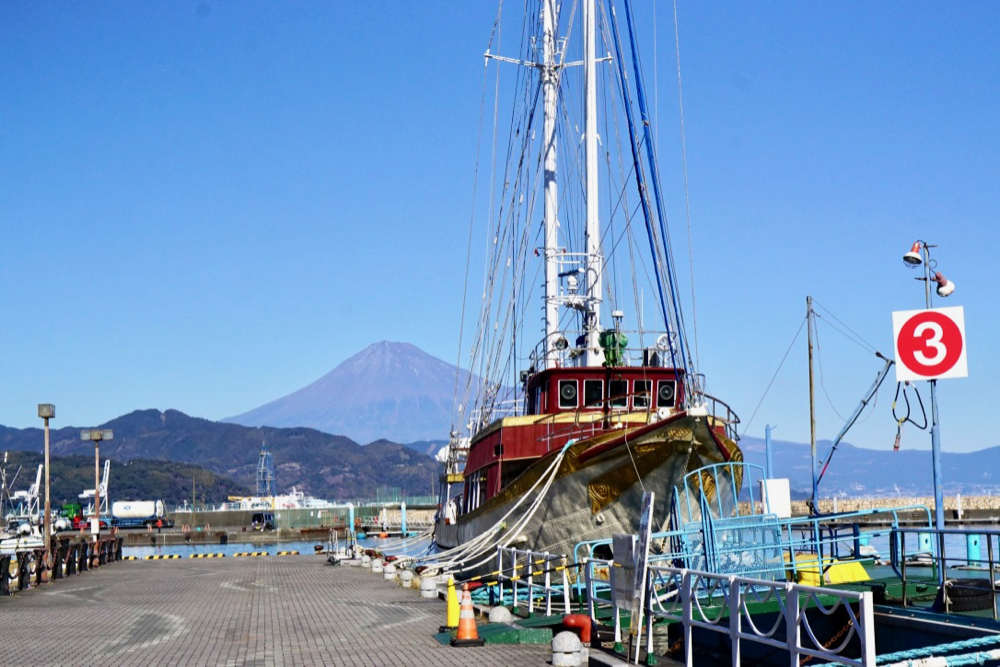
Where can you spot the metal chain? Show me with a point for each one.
(833, 640)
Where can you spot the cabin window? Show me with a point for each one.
(666, 395)
(618, 393)
(567, 394)
(498, 450)
(536, 400)
(642, 391)
(593, 393)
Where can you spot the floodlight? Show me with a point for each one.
(912, 259)
(945, 286)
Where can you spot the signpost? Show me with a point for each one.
(930, 344)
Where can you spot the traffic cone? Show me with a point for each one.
(467, 635)
(453, 610)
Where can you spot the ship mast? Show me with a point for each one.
(550, 79)
(594, 356)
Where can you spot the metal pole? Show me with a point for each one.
(812, 409)
(935, 425)
(48, 507)
(769, 458)
(97, 486)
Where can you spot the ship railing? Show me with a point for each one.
(723, 414)
(814, 544)
(919, 555)
(760, 546)
(724, 604)
(534, 575)
(645, 348)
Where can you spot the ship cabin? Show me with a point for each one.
(562, 404)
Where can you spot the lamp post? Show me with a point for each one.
(96, 435)
(920, 254)
(47, 411)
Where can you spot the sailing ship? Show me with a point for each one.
(605, 408)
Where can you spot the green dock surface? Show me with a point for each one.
(232, 612)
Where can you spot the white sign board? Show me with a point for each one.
(95, 526)
(930, 344)
(641, 561)
(623, 570)
(777, 497)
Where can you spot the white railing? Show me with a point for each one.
(532, 572)
(719, 603)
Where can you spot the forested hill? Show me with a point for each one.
(317, 463)
(138, 479)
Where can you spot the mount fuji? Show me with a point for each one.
(392, 391)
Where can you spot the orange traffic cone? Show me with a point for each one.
(467, 635)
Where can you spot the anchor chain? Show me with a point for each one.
(833, 640)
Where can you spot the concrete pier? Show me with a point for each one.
(295, 610)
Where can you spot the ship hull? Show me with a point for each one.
(598, 488)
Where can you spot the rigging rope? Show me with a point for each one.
(750, 421)
(687, 194)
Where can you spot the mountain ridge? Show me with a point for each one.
(388, 390)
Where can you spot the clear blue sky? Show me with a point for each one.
(206, 206)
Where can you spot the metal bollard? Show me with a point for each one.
(24, 571)
(58, 560)
(83, 552)
(4, 574)
(38, 567)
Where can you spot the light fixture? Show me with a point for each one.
(46, 410)
(912, 259)
(945, 286)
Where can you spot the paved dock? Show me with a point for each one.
(291, 610)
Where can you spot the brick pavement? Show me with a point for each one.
(293, 610)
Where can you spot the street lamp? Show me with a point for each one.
(96, 435)
(47, 411)
(920, 255)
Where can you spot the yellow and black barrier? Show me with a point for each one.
(163, 557)
(130, 558)
(288, 553)
(207, 556)
(250, 554)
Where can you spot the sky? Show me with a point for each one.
(208, 205)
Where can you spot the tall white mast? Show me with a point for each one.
(550, 91)
(595, 260)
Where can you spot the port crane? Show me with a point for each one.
(88, 494)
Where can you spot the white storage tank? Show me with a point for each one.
(138, 509)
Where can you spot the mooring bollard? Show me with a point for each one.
(406, 578)
(24, 571)
(4, 574)
(566, 650)
(428, 587)
(83, 562)
(377, 566)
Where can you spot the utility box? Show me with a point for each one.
(776, 497)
